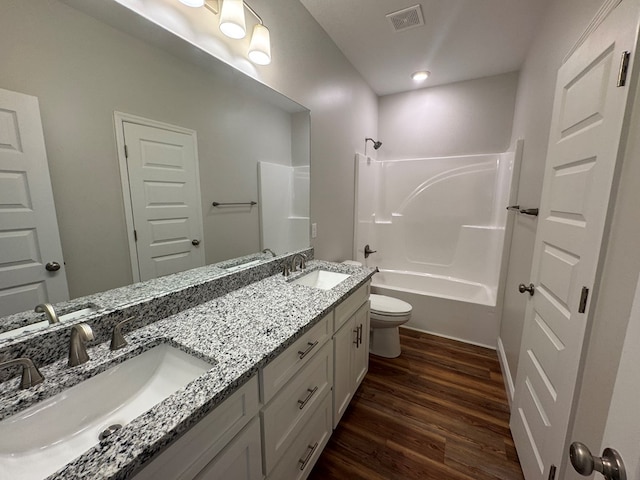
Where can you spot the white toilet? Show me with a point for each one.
(387, 314)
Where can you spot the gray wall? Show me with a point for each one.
(309, 68)
(456, 119)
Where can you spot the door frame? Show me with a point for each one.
(119, 119)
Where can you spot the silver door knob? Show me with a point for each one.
(195, 242)
(524, 288)
(610, 464)
(52, 267)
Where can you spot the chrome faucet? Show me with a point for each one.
(270, 251)
(30, 374)
(47, 309)
(303, 262)
(80, 335)
(117, 339)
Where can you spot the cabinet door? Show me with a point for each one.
(360, 362)
(240, 460)
(343, 344)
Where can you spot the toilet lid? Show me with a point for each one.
(388, 305)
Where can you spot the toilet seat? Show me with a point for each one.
(384, 306)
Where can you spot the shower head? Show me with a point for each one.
(376, 145)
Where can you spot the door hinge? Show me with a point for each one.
(552, 472)
(583, 300)
(624, 67)
(126, 152)
(135, 235)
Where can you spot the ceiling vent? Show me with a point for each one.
(406, 18)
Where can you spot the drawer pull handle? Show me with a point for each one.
(360, 334)
(302, 403)
(356, 341)
(302, 354)
(303, 461)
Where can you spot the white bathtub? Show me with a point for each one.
(436, 286)
(445, 306)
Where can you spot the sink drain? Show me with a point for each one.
(110, 430)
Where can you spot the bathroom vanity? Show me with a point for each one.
(285, 360)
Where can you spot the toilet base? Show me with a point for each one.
(385, 342)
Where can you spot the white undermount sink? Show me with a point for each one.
(40, 440)
(322, 279)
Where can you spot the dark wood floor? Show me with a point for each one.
(439, 411)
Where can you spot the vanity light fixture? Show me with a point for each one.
(232, 24)
(420, 76)
(232, 19)
(260, 46)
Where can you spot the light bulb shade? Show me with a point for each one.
(193, 3)
(232, 19)
(260, 46)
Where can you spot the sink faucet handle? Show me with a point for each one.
(286, 270)
(47, 309)
(30, 374)
(80, 335)
(117, 339)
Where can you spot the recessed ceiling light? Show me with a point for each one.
(420, 76)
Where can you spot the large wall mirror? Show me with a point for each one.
(250, 139)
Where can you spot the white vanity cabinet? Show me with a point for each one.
(277, 424)
(351, 349)
(226, 444)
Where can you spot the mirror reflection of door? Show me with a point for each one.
(29, 237)
(163, 190)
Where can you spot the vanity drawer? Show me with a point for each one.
(275, 375)
(349, 306)
(306, 447)
(190, 453)
(285, 416)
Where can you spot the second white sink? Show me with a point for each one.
(37, 441)
(322, 279)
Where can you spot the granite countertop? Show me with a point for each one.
(240, 331)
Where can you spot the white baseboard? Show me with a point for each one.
(449, 337)
(506, 373)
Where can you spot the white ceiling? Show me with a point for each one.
(460, 40)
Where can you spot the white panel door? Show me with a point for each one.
(584, 146)
(29, 237)
(165, 199)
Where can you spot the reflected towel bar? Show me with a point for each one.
(525, 211)
(219, 204)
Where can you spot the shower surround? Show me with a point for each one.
(438, 228)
